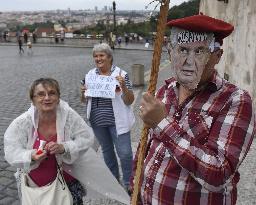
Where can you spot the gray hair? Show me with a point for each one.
(45, 82)
(174, 37)
(103, 47)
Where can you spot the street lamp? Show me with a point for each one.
(114, 13)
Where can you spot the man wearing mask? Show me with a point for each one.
(201, 126)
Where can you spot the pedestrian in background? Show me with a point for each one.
(202, 126)
(34, 37)
(21, 50)
(29, 48)
(112, 119)
(119, 41)
(25, 37)
(5, 36)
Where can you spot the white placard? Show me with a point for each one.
(100, 86)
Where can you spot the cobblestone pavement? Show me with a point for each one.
(68, 66)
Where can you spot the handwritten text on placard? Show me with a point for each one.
(100, 86)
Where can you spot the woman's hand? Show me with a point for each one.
(82, 90)
(121, 81)
(38, 157)
(54, 148)
(128, 96)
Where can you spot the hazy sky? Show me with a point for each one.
(30, 5)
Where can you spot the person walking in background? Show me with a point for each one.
(112, 119)
(5, 36)
(202, 126)
(25, 37)
(29, 48)
(119, 41)
(126, 38)
(21, 50)
(62, 36)
(34, 37)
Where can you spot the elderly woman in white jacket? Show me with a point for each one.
(68, 141)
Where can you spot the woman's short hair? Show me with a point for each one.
(103, 47)
(45, 82)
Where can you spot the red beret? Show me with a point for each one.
(203, 23)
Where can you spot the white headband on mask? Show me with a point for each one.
(180, 36)
(189, 37)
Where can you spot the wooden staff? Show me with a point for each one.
(151, 89)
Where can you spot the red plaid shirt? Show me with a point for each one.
(194, 157)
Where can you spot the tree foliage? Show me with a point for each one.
(185, 9)
(144, 29)
(32, 27)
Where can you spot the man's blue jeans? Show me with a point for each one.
(108, 139)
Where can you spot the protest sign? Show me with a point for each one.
(100, 86)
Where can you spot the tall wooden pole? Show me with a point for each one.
(151, 89)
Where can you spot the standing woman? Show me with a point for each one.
(112, 119)
(52, 120)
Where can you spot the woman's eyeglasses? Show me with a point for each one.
(42, 95)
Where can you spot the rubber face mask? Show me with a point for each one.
(188, 61)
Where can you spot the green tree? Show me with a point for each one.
(185, 9)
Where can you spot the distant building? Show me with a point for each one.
(3, 26)
(44, 32)
(122, 21)
(57, 27)
(69, 12)
(96, 8)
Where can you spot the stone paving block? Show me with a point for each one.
(2, 187)
(12, 169)
(16, 202)
(2, 159)
(13, 185)
(4, 164)
(7, 174)
(7, 200)
(11, 192)
(5, 181)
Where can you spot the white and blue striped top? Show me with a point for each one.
(102, 114)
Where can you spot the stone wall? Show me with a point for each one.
(239, 58)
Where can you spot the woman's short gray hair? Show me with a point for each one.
(103, 47)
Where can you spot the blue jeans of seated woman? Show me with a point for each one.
(108, 139)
